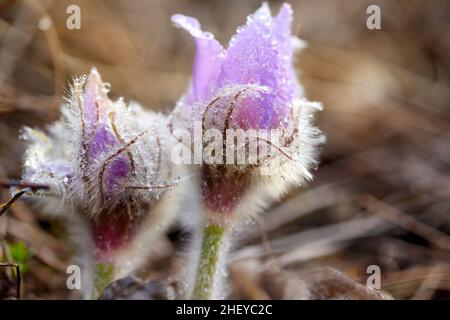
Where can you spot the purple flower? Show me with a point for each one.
(106, 166)
(250, 85)
(114, 148)
(99, 137)
(247, 90)
(259, 54)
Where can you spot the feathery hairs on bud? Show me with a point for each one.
(251, 85)
(109, 175)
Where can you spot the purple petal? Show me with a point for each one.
(208, 58)
(95, 100)
(250, 54)
(118, 170)
(261, 53)
(103, 141)
(289, 87)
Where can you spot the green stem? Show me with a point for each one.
(208, 269)
(104, 273)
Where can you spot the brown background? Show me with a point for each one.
(381, 194)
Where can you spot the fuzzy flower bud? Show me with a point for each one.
(251, 86)
(107, 162)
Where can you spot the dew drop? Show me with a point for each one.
(45, 23)
(208, 35)
(106, 87)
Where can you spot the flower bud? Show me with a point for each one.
(249, 87)
(107, 162)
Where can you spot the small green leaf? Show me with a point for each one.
(20, 254)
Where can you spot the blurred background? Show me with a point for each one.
(381, 195)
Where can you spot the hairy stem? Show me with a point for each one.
(104, 273)
(208, 276)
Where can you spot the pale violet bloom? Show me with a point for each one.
(106, 167)
(252, 84)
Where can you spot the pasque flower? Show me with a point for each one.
(105, 163)
(251, 85)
